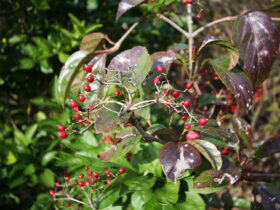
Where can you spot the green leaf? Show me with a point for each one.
(46, 66)
(92, 41)
(43, 202)
(209, 151)
(168, 193)
(144, 113)
(164, 133)
(193, 201)
(136, 182)
(108, 198)
(241, 203)
(30, 131)
(92, 4)
(21, 138)
(90, 139)
(26, 63)
(269, 147)
(69, 71)
(63, 57)
(47, 178)
(206, 98)
(132, 66)
(138, 199)
(48, 157)
(233, 52)
(29, 170)
(117, 151)
(10, 158)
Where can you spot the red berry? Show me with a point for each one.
(90, 173)
(224, 152)
(106, 171)
(81, 176)
(82, 98)
(166, 92)
(96, 174)
(89, 177)
(57, 184)
(52, 192)
(191, 135)
(202, 121)
(87, 68)
(216, 78)
(81, 183)
(159, 69)
(80, 121)
(152, 1)
(175, 94)
(86, 182)
(186, 2)
(189, 85)
(95, 178)
(108, 175)
(186, 103)
(73, 104)
(62, 134)
(68, 204)
(184, 118)
(76, 116)
(60, 128)
(116, 92)
(108, 182)
(187, 126)
(87, 88)
(90, 78)
(90, 107)
(76, 182)
(122, 170)
(86, 167)
(76, 109)
(156, 80)
(67, 178)
(198, 15)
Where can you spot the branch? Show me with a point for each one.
(190, 29)
(174, 25)
(89, 200)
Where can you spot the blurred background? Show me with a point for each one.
(37, 36)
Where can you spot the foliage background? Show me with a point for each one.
(37, 37)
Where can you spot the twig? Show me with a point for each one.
(190, 29)
(89, 200)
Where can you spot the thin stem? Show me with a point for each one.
(174, 25)
(71, 199)
(89, 200)
(190, 29)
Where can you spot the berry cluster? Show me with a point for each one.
(88, 183)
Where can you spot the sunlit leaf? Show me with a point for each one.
(126, 5)
(256, 36)
(168, 193)
(176, 158)
(92, 41)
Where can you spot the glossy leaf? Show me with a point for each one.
(133, 64)
(175, 159)
(235, 80)
(139, 198)
(209, 151)
(162, 132)
(233, 52)
(144, 113)
(107, 120)
(69, 72)
(256, 36)
(92, 41)
(270, 196)
(126, 5)
(168, 194)
(269, 147)
(136, 182)
(193, 201)
(117, 151)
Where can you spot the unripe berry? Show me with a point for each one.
(87, 68)
(73, 104)
(60, 128)
(67, 178)
(87, 88)
(57, 184)
(122, 170)
(166, 92)
(187, 126)
(82, 98)
(52, 192)
(81, 176)
(202, 121)
(76, 116)
(189, 85)
(198, 15)
(184, 118)
(175, 94)
(106, 171)
(62, 134)
(90, 78)
(81, 183)
(186, 103)
(159, 69)
(116, 92)
(156, 80)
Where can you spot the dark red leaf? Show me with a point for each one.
(269, 147)
(176, 158)
(126, 5)
(256, 36)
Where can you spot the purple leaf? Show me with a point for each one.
(126, 5)
(256, 36)
(269, 147)
(92, 41)
(270, 196)
(176, 158)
